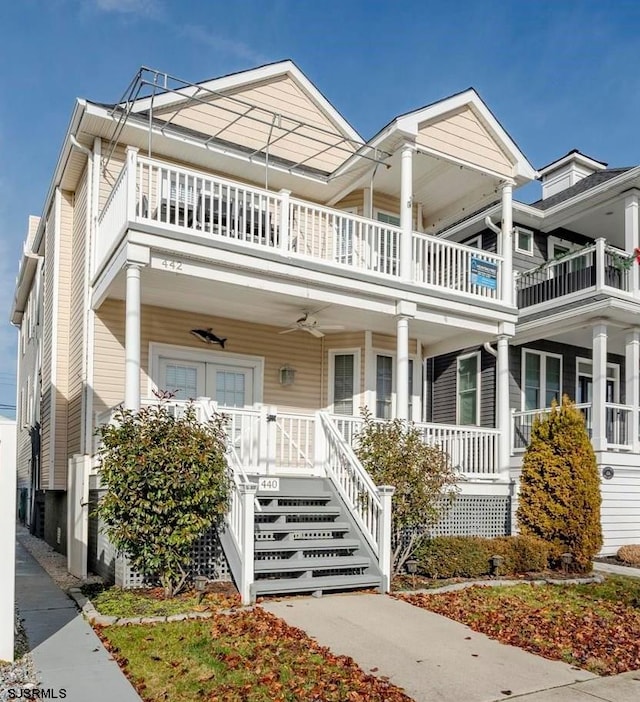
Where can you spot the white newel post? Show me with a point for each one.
(507, 243)
(632, 384)
(320, 453)
(406, 211)
(503, 412)
(402, 367)
(247, 498)
(599, 391)
(132, 172)
(384, 543)
(132, 338)
(285, 205)
(632, 238)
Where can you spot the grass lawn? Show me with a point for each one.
(248, 655)
(149, 602)
(596, 626)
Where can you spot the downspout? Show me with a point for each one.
(489, 349)
(86, 427)
(496, 230)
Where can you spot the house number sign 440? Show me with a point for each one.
(269, 484)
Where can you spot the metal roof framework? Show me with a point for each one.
(149, 84)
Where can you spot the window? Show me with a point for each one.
(469, 389)
(388, 218)
(524, 241)
(475, 242)
(343, 383)
(541, 379)
(384, 386)
(584, 381)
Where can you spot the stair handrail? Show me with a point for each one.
(354, 484)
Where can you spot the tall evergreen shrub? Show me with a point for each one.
(560, 487)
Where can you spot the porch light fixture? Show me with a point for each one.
(496, 561)
(287, 375)
(200, 584)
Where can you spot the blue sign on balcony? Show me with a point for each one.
(484, 273)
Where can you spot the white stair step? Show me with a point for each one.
(325, 582)
(295, 564)
(316, 544)
(296, 527)
(299, 509)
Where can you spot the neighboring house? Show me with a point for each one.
(245, 211)
(578, 331)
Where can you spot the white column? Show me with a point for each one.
(503, 412)
(132, 179)
(384, 536)
(402, 367)
(632, 384)
(599, 391)
(406, 211)
(507, 244)
(8, 492)
(132, 338)
(632, 236)
(285, 206)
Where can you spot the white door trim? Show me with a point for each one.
(220, 358)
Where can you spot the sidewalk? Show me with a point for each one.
(67, 654)
(435, 659)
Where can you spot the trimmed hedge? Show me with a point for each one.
(630, 554)
(469, 556)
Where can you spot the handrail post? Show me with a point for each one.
(285, 207)
(320, 448)
(131, 165)
(600, 263)
(247, 499)
(385, 493)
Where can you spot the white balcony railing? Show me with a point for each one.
(214, 208)
(618, 425)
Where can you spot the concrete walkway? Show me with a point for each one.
(616, 569)
(435, 659)
(66, 652)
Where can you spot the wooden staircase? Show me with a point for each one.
(307, 541)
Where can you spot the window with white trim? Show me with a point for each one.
(524, 241)
(343, 382)
(541, 379)
(475, 242)
(468, 388)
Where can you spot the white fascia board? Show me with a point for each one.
(254, 75)
(28, 269)
(573, 156)
(65, 151)
(409, 123)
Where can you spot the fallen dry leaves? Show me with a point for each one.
(553, 621)
(246, 655)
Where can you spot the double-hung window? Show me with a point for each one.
(541, 379)
(386, 387)
(468, 382)
(344, 381)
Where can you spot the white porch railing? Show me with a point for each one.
(214, 208)
(618, 425)
(473, 451)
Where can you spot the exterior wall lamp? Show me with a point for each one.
(287, 375)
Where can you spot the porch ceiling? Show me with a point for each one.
(222, 299)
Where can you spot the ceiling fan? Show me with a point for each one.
(311, 325)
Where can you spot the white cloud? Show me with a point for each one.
(224, 45)
(147, 8)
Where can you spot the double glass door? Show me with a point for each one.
(228, 385)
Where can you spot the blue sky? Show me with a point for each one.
(558, 75)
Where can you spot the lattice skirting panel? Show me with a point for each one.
(207, 559)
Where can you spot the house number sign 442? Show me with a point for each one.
(171, 265)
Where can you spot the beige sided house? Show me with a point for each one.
(247, 209)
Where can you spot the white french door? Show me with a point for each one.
(227, 384)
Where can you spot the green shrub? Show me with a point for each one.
(167, 483)
(559, 497)
(394, 453)
(469, 556)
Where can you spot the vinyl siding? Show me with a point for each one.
(463, 136)
(283, 96)
(76, 317)
(63, 341)
(110, 173)
(442, 372)
(619, 512)
(47, 348)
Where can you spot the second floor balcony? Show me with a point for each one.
(184, 201)
(596, 270)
